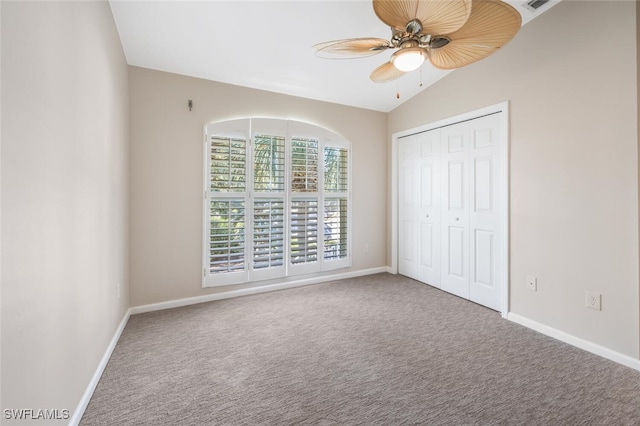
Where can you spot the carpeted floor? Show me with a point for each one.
(375, 350)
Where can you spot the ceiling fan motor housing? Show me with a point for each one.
(413, 37)
(414, 27)
(438, 41)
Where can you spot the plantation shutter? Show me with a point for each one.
(335, 228)
(277, 201)
(228, 164)
(336, 207)
(227, 244)
(304, 220)
(226, 197)
(335, 170)
(268, 163)
(304, 165)
(269, 187)
(268, 234)
(304, 231)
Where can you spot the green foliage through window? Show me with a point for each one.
(268, 163)
(228, 164)
(304, 165)
(226, 242)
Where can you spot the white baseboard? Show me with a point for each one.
(88, 393)
(253, 290)
(576, 341)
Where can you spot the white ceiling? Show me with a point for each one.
(267, 44)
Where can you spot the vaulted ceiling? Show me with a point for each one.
(266, 44)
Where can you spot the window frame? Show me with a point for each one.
(247, 129)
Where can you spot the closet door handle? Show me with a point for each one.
(457, 219)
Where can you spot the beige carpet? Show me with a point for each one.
(376, 350)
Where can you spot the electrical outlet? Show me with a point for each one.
(118, 291)
(594, 301)
(365, 248)
(532, 283)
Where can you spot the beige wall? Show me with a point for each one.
(64, 198)
(573, 159)
(167, 173)
(638, 111)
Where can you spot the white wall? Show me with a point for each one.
(64, 176)
(574, 163)
(167, 169)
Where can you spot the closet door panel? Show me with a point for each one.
(455, 209)
(484, 218)
(429, 210)
(408, 207)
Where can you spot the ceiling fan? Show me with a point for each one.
(449, 33)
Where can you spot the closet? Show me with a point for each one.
(450, 230)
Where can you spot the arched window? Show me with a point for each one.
(277, 200)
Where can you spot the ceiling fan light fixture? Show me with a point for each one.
(408, 59)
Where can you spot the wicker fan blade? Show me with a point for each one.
(441, 17)
(491, 25)
(437, 16)
(386, 72)
(353, 47)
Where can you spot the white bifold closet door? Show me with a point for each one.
(485, 219)
(449, 190)
(419, 227)
(408, 208)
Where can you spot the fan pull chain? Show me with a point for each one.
(398, 89)
(421, 75)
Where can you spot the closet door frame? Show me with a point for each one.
(503, 109)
